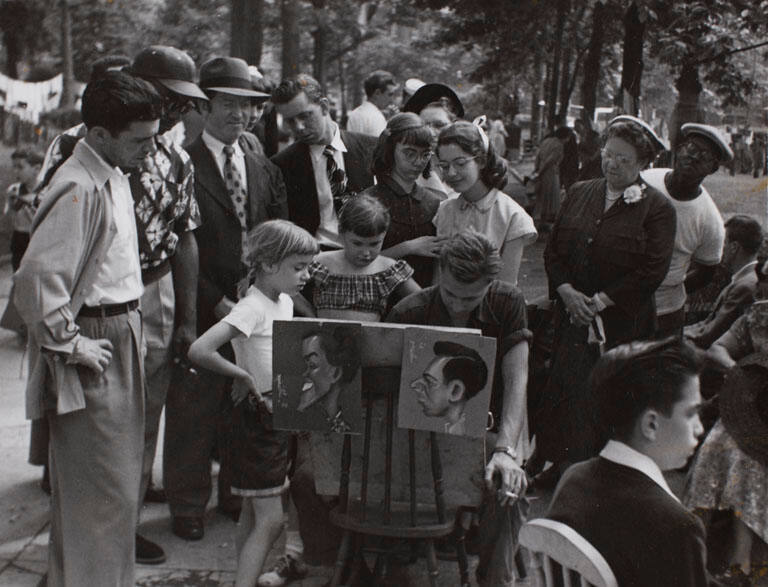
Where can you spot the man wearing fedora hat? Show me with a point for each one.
(325, 165)
(236, 189)
(166, 214)
(700, 231)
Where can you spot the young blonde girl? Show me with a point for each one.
(356, 282)
(279, 257)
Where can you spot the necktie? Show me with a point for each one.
(236, 191)
(336, 178)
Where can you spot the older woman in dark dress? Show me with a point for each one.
(609, 250)
(402, 155)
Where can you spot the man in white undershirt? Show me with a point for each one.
(77, 290)
(369, 118)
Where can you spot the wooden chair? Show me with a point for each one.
(392, 521)
(560, 545)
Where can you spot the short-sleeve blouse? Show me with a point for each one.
(495, 215)
(360, 293)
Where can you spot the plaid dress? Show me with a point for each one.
(361, 293)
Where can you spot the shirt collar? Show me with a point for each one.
(744, 271)
(336, 141)
(100, 170)
(216, 146)
(622, 454)
(482, 314)
(483, 204)
(397, 189)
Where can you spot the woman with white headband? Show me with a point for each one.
(470, 166)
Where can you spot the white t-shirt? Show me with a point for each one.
(700, 236)
(366, 119)
(253, 316)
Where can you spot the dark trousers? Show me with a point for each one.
(198, 423)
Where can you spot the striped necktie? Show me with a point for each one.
(336, 178)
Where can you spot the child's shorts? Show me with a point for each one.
(259, 453)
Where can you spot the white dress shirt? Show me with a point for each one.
(216, 147)
(328, 231)
(622, 454)
(367, 119)
(119, 277)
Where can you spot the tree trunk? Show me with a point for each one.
(592, 63)
(687, 107)
(247, 30)
(565, 74)
(562, 10)
(632, 66)
(289, 16)
(68, 83)
(536, 93)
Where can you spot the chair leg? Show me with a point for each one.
(432, 562)
(341, 559)
(461, 557)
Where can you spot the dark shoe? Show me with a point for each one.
(229, 511)
(147, 552)
(188, 527)
(155, 495)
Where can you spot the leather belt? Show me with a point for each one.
(108, 309)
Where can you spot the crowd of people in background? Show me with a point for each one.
(155, 243)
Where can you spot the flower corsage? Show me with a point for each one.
(634, 193)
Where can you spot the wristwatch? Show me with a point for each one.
(507, 450)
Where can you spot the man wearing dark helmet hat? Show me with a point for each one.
(700, 231)
(166, 215)
(236, 187)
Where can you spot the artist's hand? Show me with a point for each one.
(512, 477)
(579, 306)
(95, 354)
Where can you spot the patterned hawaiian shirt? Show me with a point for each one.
(163, 195)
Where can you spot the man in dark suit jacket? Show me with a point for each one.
(620, 501)
(198, 415)
(306, 111)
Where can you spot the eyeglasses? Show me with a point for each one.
(458, 164)
(695, 151)
(415, 156)
(620, 159)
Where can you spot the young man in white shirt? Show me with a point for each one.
(368, 118)
(620, 501)
(700, 231)
(78, 290)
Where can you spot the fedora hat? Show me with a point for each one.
(429, 93)
(744, 405)
(229, 75)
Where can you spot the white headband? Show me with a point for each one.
(480, 120)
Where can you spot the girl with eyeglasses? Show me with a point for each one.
(401, 157)
(470, 166)
(609, 250)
